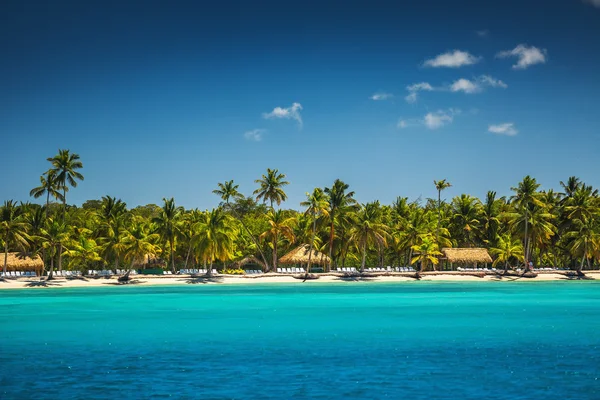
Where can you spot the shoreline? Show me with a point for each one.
(167, 280)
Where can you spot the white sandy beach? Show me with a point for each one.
(155, 280)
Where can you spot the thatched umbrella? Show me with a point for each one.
(300, 256)
(23, 262)
(248, 260)
(465, 256)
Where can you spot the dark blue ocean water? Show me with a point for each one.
(413, 340)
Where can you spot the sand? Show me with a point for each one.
(155, 280)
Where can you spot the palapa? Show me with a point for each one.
(300, 256)
(248, 260)
(467, 255)
(22, 262)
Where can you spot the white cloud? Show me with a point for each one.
(415, 88)
(595, 3)
(527, 56)
(492, 82)
(381, 96)
(476, 85)
(438, 119)
(254, 135)
(454, 59)
(292, 112)
(465, 85)
(483, 33)
(402, 123)
(507, 129)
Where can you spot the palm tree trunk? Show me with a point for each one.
(50, 273)
(331, 233)
(172, 255)
(364, 257)
(437, 232)
(60, 249)
(187, 258)
(274, 253)
(5, 256)
(310, 247)
(526, 241)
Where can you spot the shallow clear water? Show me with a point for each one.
(360, 340)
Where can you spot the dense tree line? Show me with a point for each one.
(549, 228)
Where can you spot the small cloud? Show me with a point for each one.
(465, 85)
(483, 33)
(476, 85)
(453, 59)
(254, 135)
(292, 112)
(507, 129)
(381, 96)
(595, 3)
(415, 88)
(402, 124)
(527, 56)
(440, 118)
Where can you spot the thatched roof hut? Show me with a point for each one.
(248, 260)
(300, 256)
(467, 255)
(22, 262)
(150, 260)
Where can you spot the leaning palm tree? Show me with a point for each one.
(507, 248)
(339, 201)
(49, 187)
(227, 191)
(316, 206)
(12, 227)
(440, 185)
(368, 230)
(271, 187)
(427, 251)
(279, 227)
(215, 238)
(64, 170)
(584, 241)
(167, 223)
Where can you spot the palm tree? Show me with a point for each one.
(83, 251)
(64, 172)
(54, 235)
(490, 218)
(215, 238)
(427, 251)
(279, 226)
(49, 187)
(440, 185)
(316, 206)
(271, 186)
(228, 190)
(465, 221)
(12, 228)
(339, 201)
(507, 248)
(368, 230)
(138, 243)
(525, 197)
(585, 241)
(113, 216)
(167, 223)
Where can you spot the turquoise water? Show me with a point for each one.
(360, 340)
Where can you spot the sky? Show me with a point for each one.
(166, 99)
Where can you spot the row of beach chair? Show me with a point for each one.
(294, 270)
(18, 274)
(66, 273)
(253, 271)
(185, 271)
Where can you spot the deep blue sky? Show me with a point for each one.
(156, 97)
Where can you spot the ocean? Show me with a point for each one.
(360, 340)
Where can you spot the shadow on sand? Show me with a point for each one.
(125, 282)
(42, 283)
(196, 279)
(574, 276)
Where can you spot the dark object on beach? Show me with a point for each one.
(305, 277)
(125, 278)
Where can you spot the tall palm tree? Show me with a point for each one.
(427, 251)
(490, 218)
(317, 205)
(83, 251)
(271, 187)
(12, 228)
(227, 191)
(167, 223)
(440, 185)
(507, 248)
(112, 216)
(525, 197)
(585, 241)
(368, 230)
(339, 201)
(279, 226)
(49, 187)
(215, 238)
(465, 220)
(64, 170)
